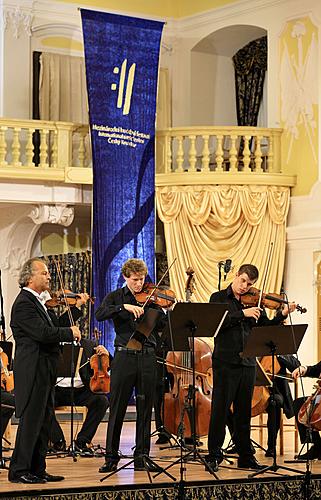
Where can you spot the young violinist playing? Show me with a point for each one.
(128, 370)
(233, 375)
(314, 453)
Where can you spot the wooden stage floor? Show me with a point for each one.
(83, 474)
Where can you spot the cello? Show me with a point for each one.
(179, 366)
(310, 412)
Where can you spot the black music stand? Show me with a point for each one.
(186, 321)
(5, 347)
(270, 341)
(68, 367)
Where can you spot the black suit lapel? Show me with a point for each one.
(40, 308)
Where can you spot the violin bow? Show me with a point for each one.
(61, 281)
(265, 273)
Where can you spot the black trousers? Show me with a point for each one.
(96, 404)
(31, 444)
(232, 384)
(131, 370)
(274, 420)
(306, 436)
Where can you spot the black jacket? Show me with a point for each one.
(36, 335)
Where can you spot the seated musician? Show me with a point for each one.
(283, 400)
(95, 403)
(307, 436)
(7, 410)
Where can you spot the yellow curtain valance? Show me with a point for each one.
(206, 224)
(225, 203)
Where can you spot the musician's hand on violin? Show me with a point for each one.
(101, 349)
(289, 308)
(137, 311)
(76, 333)
(82, 298)
(252, 312)
(300, 371)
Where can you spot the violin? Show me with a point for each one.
(100, 364)
(64, 297)
(268, 300)
(152, 294)
(7, 383)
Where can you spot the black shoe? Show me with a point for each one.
(249, 463)
(269, 453)
(314, 453)
(211, 466)
(213, 461)
(231, 450)
(190, 441)
(147, 465)
(27, 478)
(59, 445)
(50, 478)
(83, 450)
(110, 465)
(162, 439)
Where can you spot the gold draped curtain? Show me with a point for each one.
(207, 224)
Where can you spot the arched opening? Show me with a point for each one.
(212, 76)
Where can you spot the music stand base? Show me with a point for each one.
(196, 456)
(275, 468)
(146, 461)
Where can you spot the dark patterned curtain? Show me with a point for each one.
(76, 273)
(250, 64)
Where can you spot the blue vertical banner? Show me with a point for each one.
(122, 60)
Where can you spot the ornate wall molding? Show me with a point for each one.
(18, 20)
(52, 214)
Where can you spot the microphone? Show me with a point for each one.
(227, 267)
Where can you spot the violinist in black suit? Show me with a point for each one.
(96, 404)
(37, 333)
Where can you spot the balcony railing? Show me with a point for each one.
(36, 149)
(60, 151)
(219, 149)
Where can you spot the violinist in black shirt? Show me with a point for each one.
(233, 375)
(130, 368)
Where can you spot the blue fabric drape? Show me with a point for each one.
(122, 57)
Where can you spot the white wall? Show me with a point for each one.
(212, 90)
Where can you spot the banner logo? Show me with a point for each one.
(124, 94)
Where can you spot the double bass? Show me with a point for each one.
(178, 401)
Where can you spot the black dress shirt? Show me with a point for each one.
(231, 338)
(124, 321)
